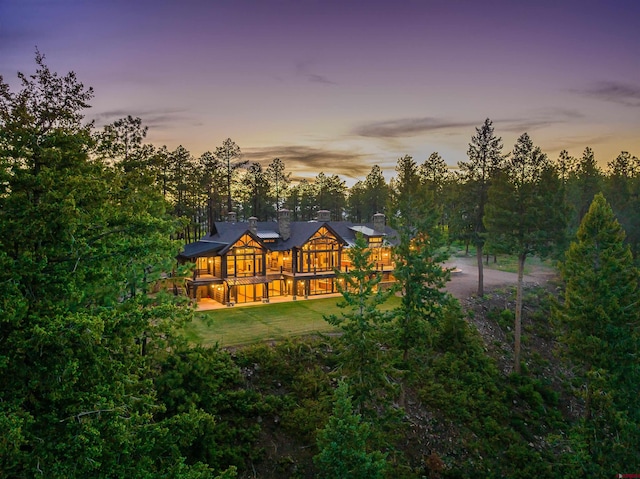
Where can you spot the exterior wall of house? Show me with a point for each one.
(246, 257)
(249, 271)
(320, 253)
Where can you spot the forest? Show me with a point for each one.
(98, 380)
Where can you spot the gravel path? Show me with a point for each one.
(464, 278)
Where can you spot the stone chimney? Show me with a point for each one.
(253, 225)
(231, 217)
(284, 224)
(324, 215)
(378, 222)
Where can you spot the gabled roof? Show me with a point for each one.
(201, 248)
(348, 231)
(226, 234)
(301, 232)
(230, 233)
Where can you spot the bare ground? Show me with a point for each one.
(464, 277)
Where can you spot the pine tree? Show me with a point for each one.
(362, 358)
(255, 196)
(600, 315)
(407, 195)
(356, 204)
(376, 194)
(279, 181)
(421, 278)
(80, 246)
(524, 213)
(211, 177)
(599, 325)
(583, 182)
(229, 156)
(343, 444)
(622, 187)
(485, 157)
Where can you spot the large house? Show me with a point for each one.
(244, 262)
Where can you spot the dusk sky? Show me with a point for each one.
(338, 86)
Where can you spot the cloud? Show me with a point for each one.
(391, 130)
(150, 118)
(539, 119)
(522, 125)
(615, 92)
(408, 127)
(563, 112)
(315, 78)
(303, 70)
(308, 160)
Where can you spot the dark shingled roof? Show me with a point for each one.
(346, 230)
(201, 248)
(226, 234)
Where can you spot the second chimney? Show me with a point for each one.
(253, 225)
(324, 215)
(284, 224)
(378, 222)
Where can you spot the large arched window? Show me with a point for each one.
(320, 253)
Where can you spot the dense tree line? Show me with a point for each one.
(83, 240)
(102, 384)
(205, 189)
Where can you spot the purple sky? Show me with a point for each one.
(338, 86)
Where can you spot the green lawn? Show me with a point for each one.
(250, 324)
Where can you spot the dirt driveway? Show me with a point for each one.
(464, 278)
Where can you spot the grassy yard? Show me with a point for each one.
(250, 324)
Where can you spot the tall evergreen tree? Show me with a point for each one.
(331, 194)
(185, 192)
(229, 156)
(257, 199)
(485, 158)
(356, 203)
(211, 176)
(600, 311)
(434, 179)
(362, 357)
(434, 173)
(302, 201)
(407, 196)
(376, 194)
(123, 142)
(279, 181)
(599, 325)
(584, 182)
(622, 186)
(524, 213)
(80, 247)
(421, 281)
(343, 444)
(307, 200)
(566, 165)
(292, 201)
(459, 212)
